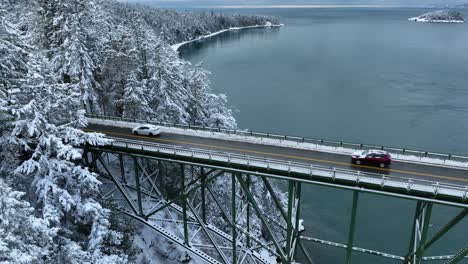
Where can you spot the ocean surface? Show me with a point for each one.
(364, 75)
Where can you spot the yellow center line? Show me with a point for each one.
(278, 155)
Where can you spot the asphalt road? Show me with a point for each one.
(397, 169)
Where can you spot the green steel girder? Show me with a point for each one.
(338, 183)
(137, 181)
(122, 190)
(275, 198)
(354, 249)
(306, 254)
(287, 254)
(260, 216)
(208, 234)
(84, 160)
(446, 228)
(289, 228)
(411, 248)
(148, 178)
(122, 169)
(184, 204)
(233, 215)
(224, 214)
(419, 232)
(184, 195)
(426, 221)
(94, 156)
(459, 256)
(247, 182)
(162, 232)
(297, 217)
(203, 194)
(352, 226)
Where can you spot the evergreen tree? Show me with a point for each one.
(24, 238)
(168, 96)
(65, 24)
(134, 100)
(41, 122)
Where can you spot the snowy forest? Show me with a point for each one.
(61, 59)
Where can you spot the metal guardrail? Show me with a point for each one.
(434, 189)
(315, 141)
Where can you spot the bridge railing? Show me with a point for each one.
(315, 141)
(434, 189)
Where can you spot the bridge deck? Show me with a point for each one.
(397, 169)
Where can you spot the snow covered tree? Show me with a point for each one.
(56, 56)
(120, 60)
(203, 106)
(41, 122)
(134, 102)
(64, 25)
(168, 96)
(198, 84)
(24, 238)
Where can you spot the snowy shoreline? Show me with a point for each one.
(177, 46)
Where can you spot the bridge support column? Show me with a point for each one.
(138, 188)
(297, 218)
(352, 226)
(248, 211)
(422, 219)
(122, 169)
(275, 198)
(233, 215)
(293, 220)
(258, 212)
(203, 194)
(289, 227)
(184, 204)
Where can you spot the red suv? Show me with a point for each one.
(372, 157)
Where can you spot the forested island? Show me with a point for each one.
(61, 59)
(441, 16)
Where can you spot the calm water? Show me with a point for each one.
(363, 75)
(360, 75)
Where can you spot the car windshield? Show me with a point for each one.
(365, 152)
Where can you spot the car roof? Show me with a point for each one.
(148, 125)
(373, 151)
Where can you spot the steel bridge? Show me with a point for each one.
(225, 206)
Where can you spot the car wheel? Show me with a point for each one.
(136, 133)
(358, 162)
(382, 165)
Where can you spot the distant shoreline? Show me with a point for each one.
(177, 46)
(305, 6)
(424, 20)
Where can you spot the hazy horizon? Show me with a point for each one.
(296, 3)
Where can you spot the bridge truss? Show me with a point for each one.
(248, 220)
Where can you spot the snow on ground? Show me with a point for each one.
(286, 143)
(267, 25)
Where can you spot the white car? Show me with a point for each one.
(147, 130)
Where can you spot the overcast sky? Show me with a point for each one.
(297, 2)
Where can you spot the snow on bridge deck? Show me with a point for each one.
(262, 154)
